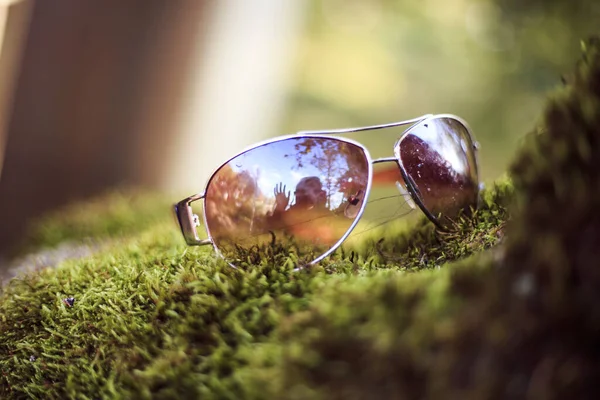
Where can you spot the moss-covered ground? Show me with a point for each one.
(501, 308)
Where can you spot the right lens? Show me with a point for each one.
(299, 194)
(439, 161)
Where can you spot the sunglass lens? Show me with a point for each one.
(438, 157)
(297, 195)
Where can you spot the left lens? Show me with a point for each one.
(438, 158)
(298, 195)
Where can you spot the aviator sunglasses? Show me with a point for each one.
(305, 193)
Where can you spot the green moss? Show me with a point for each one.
(113, 215)
(423, 247)
(419, 314)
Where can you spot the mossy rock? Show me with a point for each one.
(503, 308)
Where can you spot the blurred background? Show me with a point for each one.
(98, 95)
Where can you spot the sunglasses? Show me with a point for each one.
(303, 194)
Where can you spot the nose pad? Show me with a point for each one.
(406, 195)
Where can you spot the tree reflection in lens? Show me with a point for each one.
(251, 211)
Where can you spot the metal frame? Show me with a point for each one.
(188, 221)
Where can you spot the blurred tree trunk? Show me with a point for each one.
(95, 101)
(14, 23)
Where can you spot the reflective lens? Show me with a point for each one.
(297, 195)
(439, 161)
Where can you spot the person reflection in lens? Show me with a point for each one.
(305, 218)
(309, 194)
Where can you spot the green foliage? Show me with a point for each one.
(423, 315)
(491, 62)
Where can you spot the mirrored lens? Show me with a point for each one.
(298, 195)
(438, 158)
